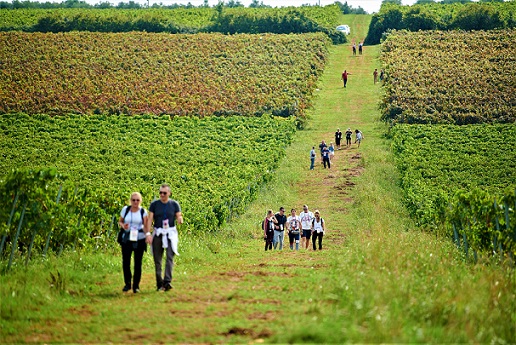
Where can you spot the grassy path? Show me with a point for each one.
(377, 279)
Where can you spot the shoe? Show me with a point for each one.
(161, 288)
(136, 290)
(126, 288)
(167, 287)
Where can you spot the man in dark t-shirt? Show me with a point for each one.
(326, 157)
(279, 228)
(164, 213)
(322, 145)
(338, 138)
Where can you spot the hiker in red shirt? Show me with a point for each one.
(345, 77)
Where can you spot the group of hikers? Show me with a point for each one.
(376, 74)
(299, 229)
(157, 227)
(328, 152)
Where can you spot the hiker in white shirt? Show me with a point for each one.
(294, 227)
(306, 225)
(318, 228)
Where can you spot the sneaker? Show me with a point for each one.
(161, 288)
(167, 287)
(126, 288)
(136, 290)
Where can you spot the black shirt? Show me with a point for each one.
(159, 208)
(322, 146)
(282, 220)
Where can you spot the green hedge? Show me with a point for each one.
(471, 16)
(220, 19)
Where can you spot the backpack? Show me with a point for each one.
(123, 236)
(313, 222)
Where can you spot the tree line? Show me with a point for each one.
(427, 15)
(17, 4)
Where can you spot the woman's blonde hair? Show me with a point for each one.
(137, 194)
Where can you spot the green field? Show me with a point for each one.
(459, 176)
(437, 161)
(379, 279)
(215, 166)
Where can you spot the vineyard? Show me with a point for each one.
(441, 16)
(143, 73)
(458, 165)
(430, 83)
(453, 174)
(214, 165)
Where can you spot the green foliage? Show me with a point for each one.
(220, 19)
(438, 164)
(479, 17)
(57, 282)
(487, 222)
(431, 16)
(428, 81)
(274, 21)
(144, 73)
(214, 165)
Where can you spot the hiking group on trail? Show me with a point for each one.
(135, 233)
(328, 152)
(299, 229)
(344, 76)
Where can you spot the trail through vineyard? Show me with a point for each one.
(258, 288)
(243, 293)
(378, 278)
(240, 293)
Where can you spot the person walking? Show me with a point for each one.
(338, 138)
(164, 213)
(382, 75)
(312, 158)
(318, 228)
(375, 76)
(332, 151)
(345, 77)
(354, 49)
(348, 137)
(132, 239)
(279, 228)
(306, 226)
(294, 227)
(322, 145)
(358, 137)
(326, 157)
(268, 229)
(360, 47)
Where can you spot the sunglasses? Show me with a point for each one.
(135, 200)
(162, 193)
